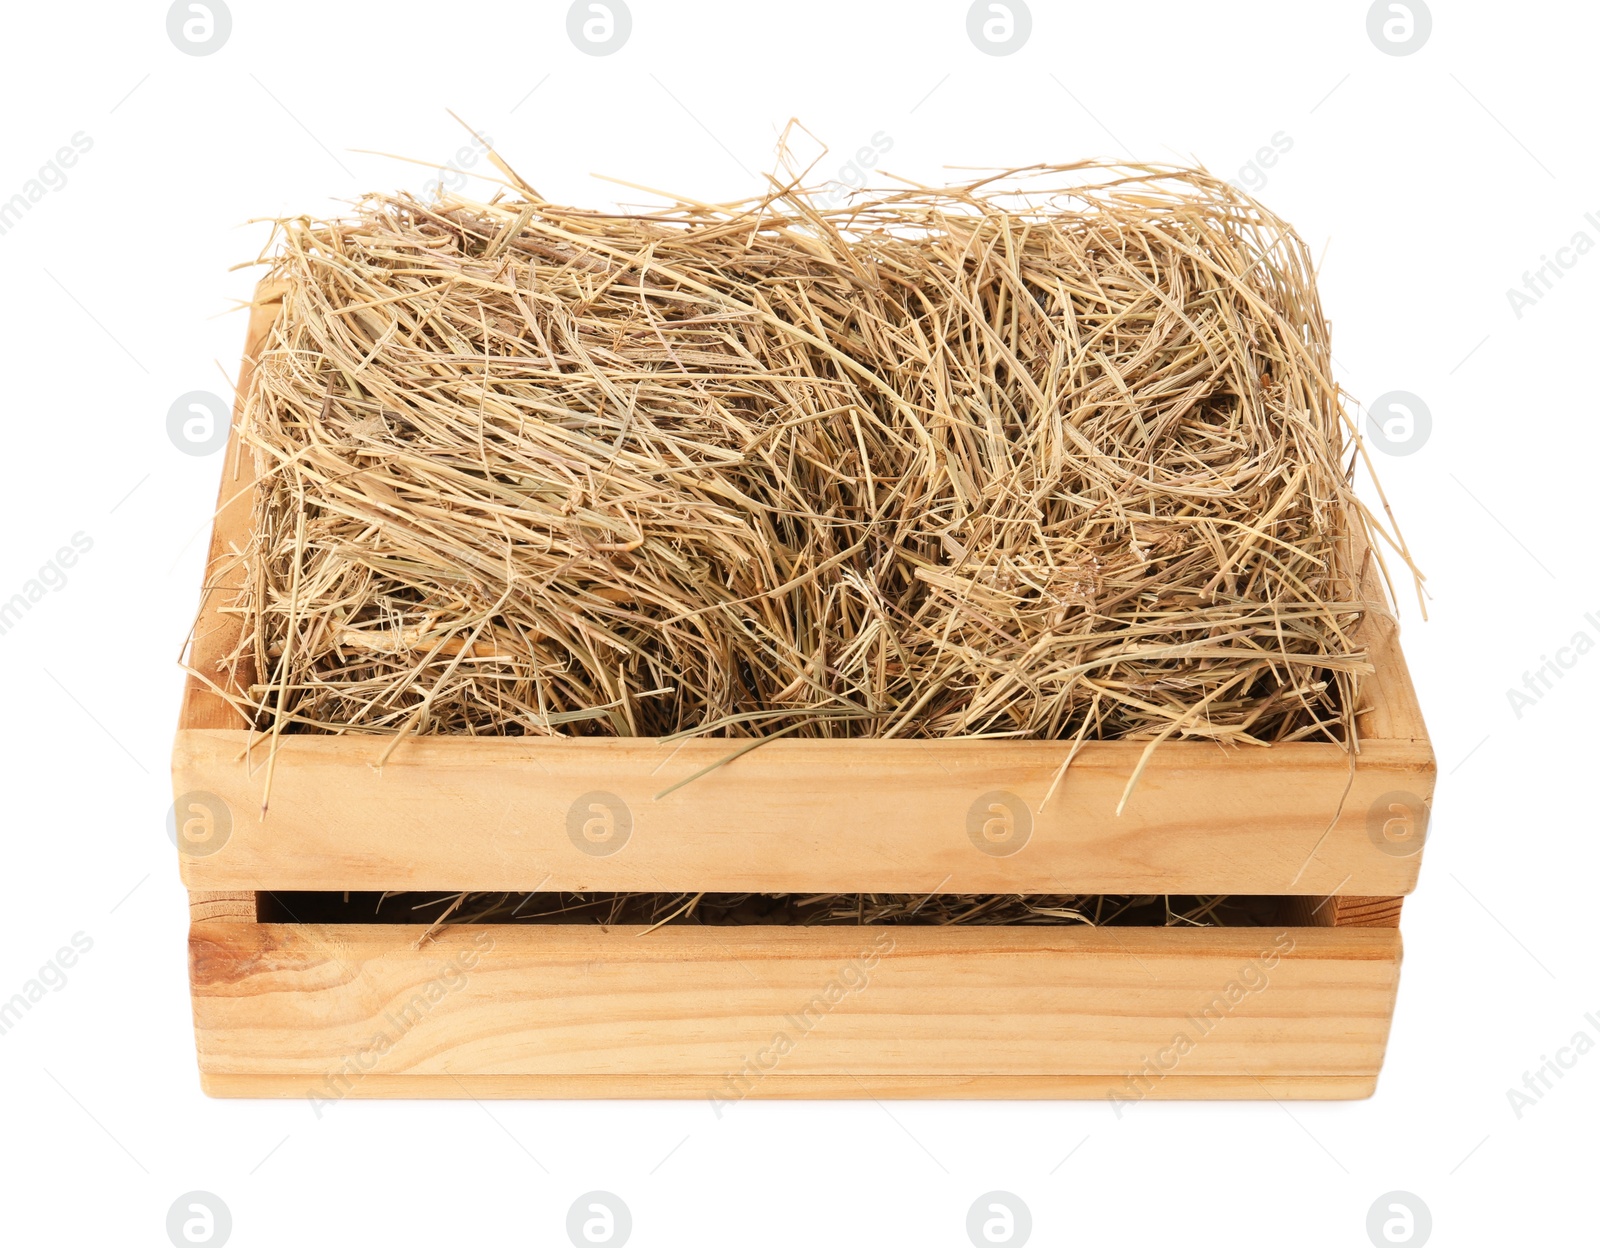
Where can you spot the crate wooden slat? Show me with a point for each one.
(565, 1010)
(303, 1009)
(878, 816)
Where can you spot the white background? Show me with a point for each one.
(1430, 183)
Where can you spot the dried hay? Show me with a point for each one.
(1061, 461)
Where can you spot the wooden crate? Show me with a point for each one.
(1296, 1009)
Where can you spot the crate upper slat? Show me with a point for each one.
(873, 816)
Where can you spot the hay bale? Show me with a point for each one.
(1060, 462)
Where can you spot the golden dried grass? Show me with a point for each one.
(1062, 460)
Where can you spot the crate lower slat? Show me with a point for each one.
(324, 1012)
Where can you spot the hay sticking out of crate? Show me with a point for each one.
(1061, 461)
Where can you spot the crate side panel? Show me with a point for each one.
(216, 631)
(880, 816)
(332, 1005)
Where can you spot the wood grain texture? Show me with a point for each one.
(1339, 911)
(878, 816)
(1367, 911)
(234, 906)
(216, 631)
(694, 1011)
(1388, 708)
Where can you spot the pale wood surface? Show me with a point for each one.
(879, 816)
(1388, 709)
(676, 1012)
(216, 631)
(1343, 911)
(1367, 911)
(234, 905)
